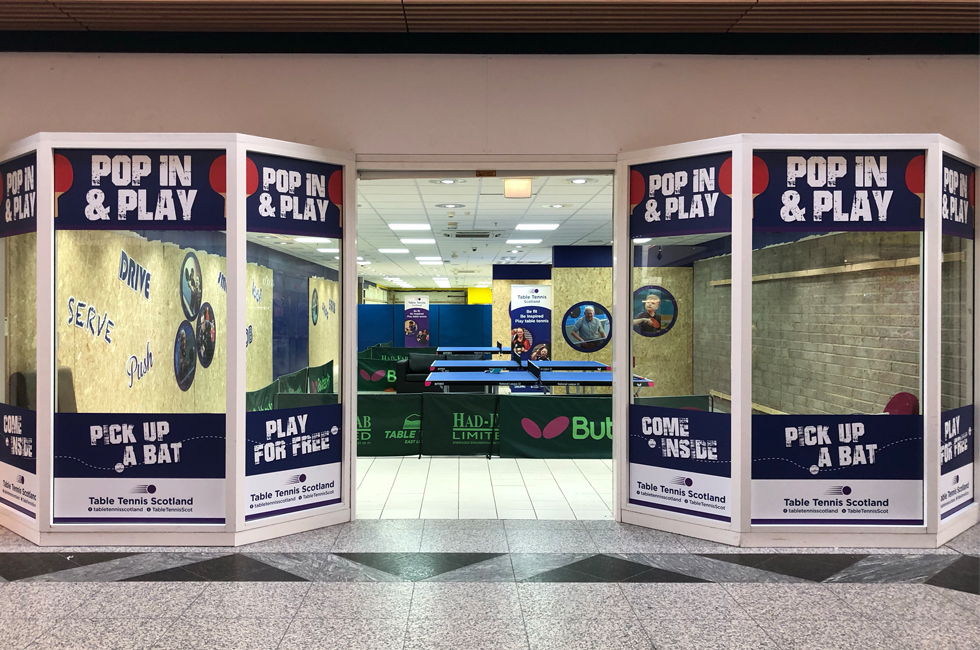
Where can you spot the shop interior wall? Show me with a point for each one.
(445, 104)
(448, 325)
(573, 285)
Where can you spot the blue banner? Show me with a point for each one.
(838, 190)
(530, 321)
(681, 197)
(292, 196)
(959, 202)
(139, 189)
(18, 195)
(837, 469)
(956, 449)
(681, 461)
(292, 460)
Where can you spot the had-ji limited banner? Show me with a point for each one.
(416, 321)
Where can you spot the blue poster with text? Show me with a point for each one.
(837, 190)
(18, 461)
(139, 189)
(956, 449)
(837, 469)
(18, 195)
(293, 196)
(139, 468)
(292, 460)
(681, 461)
(530, 321)
(681, 197)
(959, 200)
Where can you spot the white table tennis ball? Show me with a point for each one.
(119, 467)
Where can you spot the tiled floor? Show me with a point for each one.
(477, 488)
(473, 585)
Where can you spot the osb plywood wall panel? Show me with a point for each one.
(500, 312)
(667, 359)
(21, 276)
(258, 317)
(573, 285)
(88, 270)
(325, 335)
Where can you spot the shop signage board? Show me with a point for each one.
(822, 190)
(956, 450)
(959, 199)
(417, 321)
(555, 427)
(292, 460)
(684, 196)
(681, 461)
(18, 453)
(460, 424)
(389, 425)
(837, 469)
(293, 196)
(530, 321)
(139, 468)
(139, 189)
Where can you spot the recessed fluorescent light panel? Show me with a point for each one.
(392, 250)
(642, 240)
(418, 241)
(409, 226)
(523, 241)
(312, 240)
(536, 226)
(328, 250)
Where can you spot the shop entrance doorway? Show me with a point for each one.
(485, 342)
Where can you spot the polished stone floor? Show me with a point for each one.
(473, 584)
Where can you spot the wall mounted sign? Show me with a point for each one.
(134, 189)
(681, 461)
(18, 195)
(185, 356)
(293, 196)
(654, 311)
(587, 326)
(837, 469)
(191, 286)
(315, 307)
(530, 321)
(834, 190)
(681, 197)
(959, 201)
(206, 335)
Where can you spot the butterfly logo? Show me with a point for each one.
(551, 430)
(377, 376)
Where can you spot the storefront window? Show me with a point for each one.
(293, 335)
(18, 264)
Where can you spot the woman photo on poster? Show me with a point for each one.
(520, 342)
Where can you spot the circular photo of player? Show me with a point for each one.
(207, 331)
(654, 311)
(541, 352)
(315, 309)
(587, 326)
(191, 284)
(521, 340)
(185, 356)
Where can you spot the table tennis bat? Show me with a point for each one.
(638, 189)
(335, 191)
(63, 177)
(218, 178)
(915, 180)
(760, 177)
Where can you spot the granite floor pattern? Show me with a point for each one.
(489, 584)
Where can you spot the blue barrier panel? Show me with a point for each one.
(374, 325)
(462, 325)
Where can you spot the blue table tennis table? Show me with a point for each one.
(484, 365)
(535, 375)
(471, 349)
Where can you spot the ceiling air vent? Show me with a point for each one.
(471, 234)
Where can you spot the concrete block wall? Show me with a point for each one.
(957, 323)
(712, 343)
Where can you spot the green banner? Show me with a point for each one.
(321, 378)
(303, 400)
(261, 399)
(373, 375)
(548, 426)
(389, 425)
(460, 425)
(397, 354)
(294, 382)
(699, 402)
